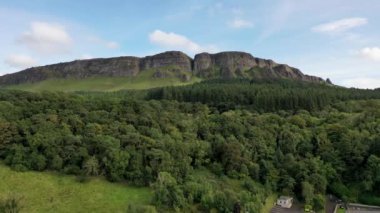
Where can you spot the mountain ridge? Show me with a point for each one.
(229, 64)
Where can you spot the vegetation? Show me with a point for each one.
(51, 192)
(10, 205)
(262, 95)
(341, 210)
(370, 199)
(143, 81)
(288, 138)
(270, 200)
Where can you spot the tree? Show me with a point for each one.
(167, 192)
(56, 163)
(372, 172)
(91, 166)
(258, 133)
(8, 134)
(38, 161)
(287, 184)
(319, 202)
(307, 192)
(115, 164)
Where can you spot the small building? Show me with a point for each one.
(285, 201)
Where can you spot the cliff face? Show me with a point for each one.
(225, 64)
(204, 65)
(167, 59)
(121, 66)
(240, 64)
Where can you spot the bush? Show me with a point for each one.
(369, 199)
(141, 209)
(10, 205)
(83, 179)
(319, 202)
(340, 190)
(217, 169)
(167, 192)
(72, 170)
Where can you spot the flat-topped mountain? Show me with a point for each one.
(164, 65)
(241, 64)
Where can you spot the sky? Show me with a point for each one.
(336, 39)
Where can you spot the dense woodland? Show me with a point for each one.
(215, 145)
(262, 95)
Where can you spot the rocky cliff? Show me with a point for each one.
(240, 64)
(204, 65)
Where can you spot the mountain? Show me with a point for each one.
(171, 64)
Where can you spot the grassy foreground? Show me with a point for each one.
(144, 80)
(50, 192)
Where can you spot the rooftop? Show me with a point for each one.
(285, 198)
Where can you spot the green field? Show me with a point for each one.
(269, 203)
(51, 192)
(142, 81)
(341, 210)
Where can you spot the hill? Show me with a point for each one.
(164, 69)
(212, 146)
(100, 83)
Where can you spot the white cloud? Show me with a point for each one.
(105, 43)
(20, 61)
(240, 23)
(372, 53)
(112, 45)
(340, 26)
(86, 56)
(46, 38)
(365, 83)
(177, 42)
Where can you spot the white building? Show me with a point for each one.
(285, 201)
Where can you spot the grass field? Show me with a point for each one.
(51, 192)
(142, 81)
(269, 203)
(341, 210)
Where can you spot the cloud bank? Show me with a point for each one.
(175, 41)
(20, 61)
(46, 38)
(367, 83)
(340, 26)
(372, 53)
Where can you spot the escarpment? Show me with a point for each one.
(167, 64)
(240, 64)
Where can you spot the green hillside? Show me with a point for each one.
(144, 80)
(51, 192)
(214, 146)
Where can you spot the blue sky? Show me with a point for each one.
(338, 39)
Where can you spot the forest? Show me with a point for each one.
(263, 95)
(217, 145)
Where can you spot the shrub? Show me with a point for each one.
(10, 205)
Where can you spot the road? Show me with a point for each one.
(331, 202)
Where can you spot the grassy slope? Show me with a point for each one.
(269, 203)
(142, 81)
(49, 192)
(341, 211)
